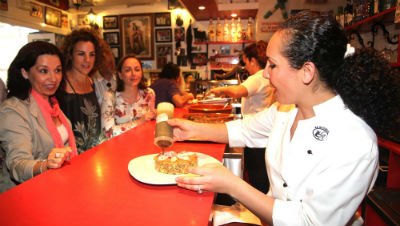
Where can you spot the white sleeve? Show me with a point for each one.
(252, 131)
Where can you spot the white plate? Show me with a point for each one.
(142, 169)
(217, 100)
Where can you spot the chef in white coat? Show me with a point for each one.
(322, 151)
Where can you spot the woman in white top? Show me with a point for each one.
(256, 92)
(322, 151)
(132, 104)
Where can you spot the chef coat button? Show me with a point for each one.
(309, 152)
(284, 185)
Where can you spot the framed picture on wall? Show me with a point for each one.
(110, 22)
(164, 35)
(36, 10)
(112, 38)
(52, 17)
(117, 52)
(163, 55)
(162, 19)
(136, 32)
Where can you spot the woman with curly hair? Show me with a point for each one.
(34, 133)
(322, 150)
(76, 94)
(132, 104)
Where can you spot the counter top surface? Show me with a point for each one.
(95, 188)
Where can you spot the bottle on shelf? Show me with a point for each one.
(340, 16)
(233, 31)
(348, 13)
(239, 30)
(249, 30)
(227, 31)
(219, 33)
(211, 31)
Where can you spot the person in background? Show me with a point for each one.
(166, 87)
(3, 91)
(322, 150)
(132, 104)
(257, 94)
(104, 78)
(34, 133)
(76, 93)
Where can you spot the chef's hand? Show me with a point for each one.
(219, 91)
(57, 157)
(183, 129)
(212, 177)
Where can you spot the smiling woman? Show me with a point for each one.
(132, 103)
(34, 133)
(76, 94)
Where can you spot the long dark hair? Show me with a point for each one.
(27, 56)
(367, 83)
(120, 83)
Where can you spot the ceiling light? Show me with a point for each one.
(202, 7)
(233, 15)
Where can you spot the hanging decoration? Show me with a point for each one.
(281, 4)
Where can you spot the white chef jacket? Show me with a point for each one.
(322, 174)
(259, 96)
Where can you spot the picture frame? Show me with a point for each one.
(163, 55)
(199, 59)
(163, 35)
(162, 19)
(179, 34)
(116, 51)
(174, 4)
(4, 5)
(136, 32)
(64, 21)
(52, 17)
(110, 22)
(36, 10)
(112, 38)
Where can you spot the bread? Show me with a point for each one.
(175, 163)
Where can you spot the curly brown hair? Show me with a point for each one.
(69, 41)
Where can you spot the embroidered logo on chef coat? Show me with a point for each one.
(320, 133)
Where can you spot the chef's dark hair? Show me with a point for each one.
(367, 83)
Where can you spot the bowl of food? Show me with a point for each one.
(210, 108)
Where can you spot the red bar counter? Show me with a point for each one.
(96, 188)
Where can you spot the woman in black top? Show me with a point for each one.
(76, 94)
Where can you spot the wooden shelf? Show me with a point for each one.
(365, 25)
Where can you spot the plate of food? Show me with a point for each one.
(161, 169)
(210, 108)
(209, 117)
(214, 100)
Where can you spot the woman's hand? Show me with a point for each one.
(57, 157)
(183, 129)
(150, 115)
(212, 177)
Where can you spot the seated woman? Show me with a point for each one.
(34, 132)
(132, 104)
(167, 87)
(81, 52)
